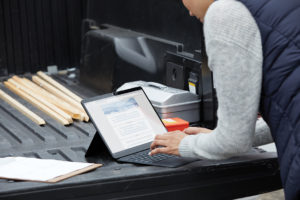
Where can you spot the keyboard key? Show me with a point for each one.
(143, 157)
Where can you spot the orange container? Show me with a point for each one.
(173, 124)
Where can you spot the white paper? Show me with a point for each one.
(36, 169)
(269, 147)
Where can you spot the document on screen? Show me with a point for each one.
(129, 122)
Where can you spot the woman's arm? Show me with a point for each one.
(234, 52)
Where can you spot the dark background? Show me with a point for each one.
(38, 33)
(167, 19)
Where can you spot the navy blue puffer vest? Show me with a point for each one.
(279, 24)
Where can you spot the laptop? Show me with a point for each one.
(127, 124)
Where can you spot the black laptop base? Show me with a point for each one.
(162, 160)
(171, 162)
(97, 147)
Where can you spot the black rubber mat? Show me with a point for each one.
(253, 173)
(22, 137)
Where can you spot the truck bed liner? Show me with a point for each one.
(252, 173)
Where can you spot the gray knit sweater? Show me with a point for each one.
(234, 50)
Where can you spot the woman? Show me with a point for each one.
(253, 49)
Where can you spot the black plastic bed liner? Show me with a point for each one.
(253, 173)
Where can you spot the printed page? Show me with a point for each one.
(21, 168)
(129, 122)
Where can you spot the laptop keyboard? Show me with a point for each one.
(143, 157)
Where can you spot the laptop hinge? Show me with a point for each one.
(97, 146)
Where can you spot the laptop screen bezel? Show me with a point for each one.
(129, 151)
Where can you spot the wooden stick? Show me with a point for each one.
(36, 103)
(63, 89)
(42, 100)
(59, 94)
(25, 111)
(75, 113)
(59, 86)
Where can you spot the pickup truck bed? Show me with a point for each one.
(253, 173)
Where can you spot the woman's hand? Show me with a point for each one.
(167, 143)
(196, 130)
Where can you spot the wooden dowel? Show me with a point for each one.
(63, 89)
(75, 113)
(25, 111)
(59, 94)
(36, 103)
(42, 100)
(59, 86)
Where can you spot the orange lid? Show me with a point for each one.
(174, 122)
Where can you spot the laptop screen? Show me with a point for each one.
(125, 121)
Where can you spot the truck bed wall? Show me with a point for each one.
(35, 34)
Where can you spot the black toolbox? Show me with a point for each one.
(112, 56)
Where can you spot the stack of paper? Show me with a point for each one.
(41, 170)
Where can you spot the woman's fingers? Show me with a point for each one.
(157, 143)
(192, 130)
(164, 150)
(196, 130)
(167, 143)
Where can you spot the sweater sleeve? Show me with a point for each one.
(262, 133)
(235, 57)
